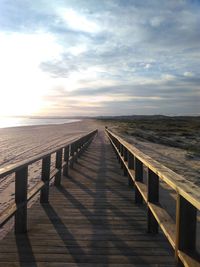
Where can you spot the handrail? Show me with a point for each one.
(66, 155)
(182, 233)
(14, 167)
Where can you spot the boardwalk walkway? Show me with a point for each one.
(91, 220)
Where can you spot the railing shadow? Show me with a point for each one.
(109, 188)
(65, 235)
(25, 252)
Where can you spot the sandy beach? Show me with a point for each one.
(19, 143)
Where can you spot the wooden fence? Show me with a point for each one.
(181, 233)
(65, 156)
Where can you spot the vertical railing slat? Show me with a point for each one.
(118, 147)
(44, 193)
(131, 167)
(121, 153)
(72, 155)
(186, 221)
(66, 159)
(21, 181)
(125, 153)
(75, 151)
(152, 197)
(59, 167)
(139, 178)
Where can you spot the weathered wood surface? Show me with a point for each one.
(182, 229)
(90, 220)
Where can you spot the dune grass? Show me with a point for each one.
(181, 132)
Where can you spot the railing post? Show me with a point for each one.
(78, 147)
(44, 193)
(83, 146)
(152, 197)
(75, 151)
(131, 167)
(186, 219)
(115, 143)
(121, 150)
(121, 153)
(21, 179)
(131, 161)
(72, 155)
(66, 159)
(118, 148)
(59, 167)
(139, 178)
(125, 153)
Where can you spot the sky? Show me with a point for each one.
(91, 57)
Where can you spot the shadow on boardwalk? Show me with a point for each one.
(91, 220)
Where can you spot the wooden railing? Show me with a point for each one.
(181, 232)
(65, 156)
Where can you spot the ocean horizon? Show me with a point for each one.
(7, 122)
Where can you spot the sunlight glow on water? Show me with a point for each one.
(17, 121)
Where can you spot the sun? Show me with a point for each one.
(23, 84)
(19, 105)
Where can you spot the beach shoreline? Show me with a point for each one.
(12, 122)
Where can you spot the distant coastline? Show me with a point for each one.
(7, 122)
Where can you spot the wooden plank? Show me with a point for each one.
(53, 173)
(142, 188)
(7, 213)
(60, 264)
(165, 222)
(189, 260)
(33, 191)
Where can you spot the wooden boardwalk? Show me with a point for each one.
(90, 220)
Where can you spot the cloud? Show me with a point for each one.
(147, 66)
(156, 21)
(78, 22)
(188, 74)
(129, 52)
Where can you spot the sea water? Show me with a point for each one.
(23, 121)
